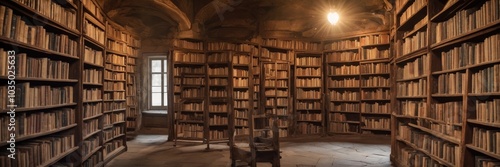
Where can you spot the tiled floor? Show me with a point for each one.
(341, 151)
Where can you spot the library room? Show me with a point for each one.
(246, 83)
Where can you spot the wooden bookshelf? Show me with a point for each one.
(276, 96)
(308, 92)
(455, 89)
(242, 92)
(77, 56)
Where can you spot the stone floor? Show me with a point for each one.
(341, 151)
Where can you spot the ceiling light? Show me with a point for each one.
(333, 17)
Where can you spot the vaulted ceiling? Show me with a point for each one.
(245, 19)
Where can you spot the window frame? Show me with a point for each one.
(165, 79)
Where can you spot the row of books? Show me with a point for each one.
(344, 70)
(277, 102)
(241, 59)
(115, 59)
(178, 71)
(308, 72)
(377, 123)
(343, 82)
(468, 54)
(110, 118)
(285, 56)
(241, 122)
(449, 112)
(288, 44)
(411, 10)
(240, 72)
(218, 57)
(218, 134)
(382, 94)
(191, 116)
(413, 68)
(94, 32)
(487, 140)
(274, 92)
(225, 46)
(31, 67)
(309, 82)
(347, 56)
(112, 133)
(90, 127)
(345, 95)
(94, 9)
(308, 61)
(377, 107)
(114, 106)
(89, 94)
(91, 110)
(453, 131)
(193, 106)
(193, 81)
(93, 56)
(375, 81)
(374, 39)
(114, 86)
(345, 107)
(309, 128)
(338, 127)
(468, 20)
(375, 68)
(187, 44)
(412, 88)
(53, 10)
(374, 53)
(108, 148)
(218, 108)
(451, 83)
(309, 46)
(37, 153)
(241, 95)
(344, 44)
(309, 116)
(28, 96)
(217, 93)
(15, 28)
(89, 145)
(241, 114)
(218, 120)
(486, 80)
(92, 76)
(189, 57)
(308, 105)
(414, 42)
(343, 117)
(218, 81)
(218, 71)
(485, 110)
(308, 94)
(36, 123)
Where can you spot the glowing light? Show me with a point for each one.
(333, 18)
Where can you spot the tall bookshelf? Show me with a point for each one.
(343, 82)
(60, 61)
(241, 73)
(276, 96)
(375, 83)
(219, 91)
(133, 114)
(455, 64)
(190, 90)
(93, 32)
(34, 81)
(308, 98)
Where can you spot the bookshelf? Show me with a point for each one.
(219, 91)
(242, 97)
(446, 84)
(60, 79)
(276, 96)
(190, 90)
(308, 98)
(343, 85)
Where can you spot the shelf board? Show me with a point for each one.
(412, 54)
(470, 146)
(93, 42)
(308, 76)
(449, 71)
(347, 112)
(92, 117)
(345, 133)
(92, 64)
(437, 134)
(309, 87)
(370, 113)
(93, 101)
(405, 116)
(114, 137)
(484, 94)
(55, 159)
(349, 122)
(218, 125)
(341, 50)
(404, 6)
(344, 87)
(411, 97)
(473, 66)
(114, 153)
(441, 122)
(190, 121)
(412, 79)
(92, 84)
(312, 121)
(374, 74)
(376, 129)
(309, 109)
(31, 136)
(345, 75)
(91, 153)
(446, 95)
(346, 101)
(41, 79)
(376, 45)
(494, 125)
(91, 134)
(375, 87)
(375, 99)
(40, 108)
(116, 53)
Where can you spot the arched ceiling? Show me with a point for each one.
(244, 19)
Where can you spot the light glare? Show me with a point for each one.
(333, 18)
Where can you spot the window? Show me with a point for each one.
(158, 79)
